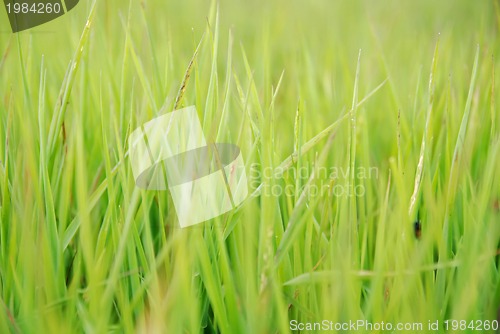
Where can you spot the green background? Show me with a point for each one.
(334, 84)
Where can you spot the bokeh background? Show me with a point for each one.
(83, 250)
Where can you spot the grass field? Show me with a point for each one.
(378, 113)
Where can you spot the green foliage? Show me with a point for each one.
(405, 90)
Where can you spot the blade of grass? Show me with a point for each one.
(63, 100)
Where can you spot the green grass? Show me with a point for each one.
(404, 89)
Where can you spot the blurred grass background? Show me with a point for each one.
(83, 250)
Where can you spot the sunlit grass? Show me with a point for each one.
(404, 90)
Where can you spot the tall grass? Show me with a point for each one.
(403, 90)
